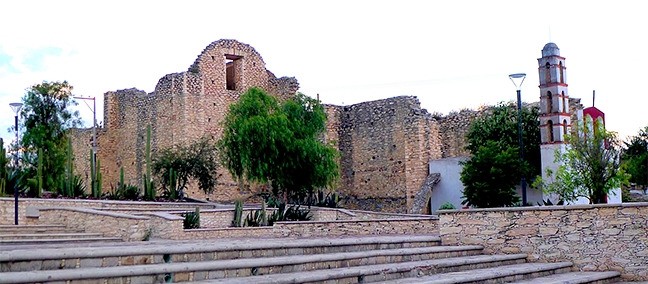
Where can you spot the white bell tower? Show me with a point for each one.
(555, 117)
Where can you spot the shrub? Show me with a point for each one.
(447, 206)
(238, 214)
(191, 219)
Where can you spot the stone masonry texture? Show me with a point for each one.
(385, 145)
(594, 237)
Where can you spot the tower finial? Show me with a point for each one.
(593, 97)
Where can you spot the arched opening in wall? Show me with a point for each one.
(564, 129)
(550, 137)
(232, 71)
(547, 73)
(562, 75)
(549, 102)
(564, 102)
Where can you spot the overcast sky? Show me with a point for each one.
(450, 54)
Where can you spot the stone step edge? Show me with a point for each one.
(366, 270)
(44, 241)
(317, 258)
(202, 247)
(49, 235)
(483, 274)
(30, 226)
(572, 278)
(166, 268)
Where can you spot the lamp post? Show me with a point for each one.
(518, 79)
(94, 136)
(16, 109)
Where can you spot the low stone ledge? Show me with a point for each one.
(92, 211)
(544, 208)
(124, 226)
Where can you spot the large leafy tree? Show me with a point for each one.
(494, 168)
(279, 144)
(46, 116)
(590, 165)
(635, 158)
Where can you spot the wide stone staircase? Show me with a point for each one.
(373, 259)
(11, 235)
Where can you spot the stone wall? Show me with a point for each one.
(394, 226)
(127, 227)
(385, 148)
(593, 237)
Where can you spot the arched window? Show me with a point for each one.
(549, 102)
(564, 129)
(562, 75)
(550, 131)
(564, 101)
(547, 73)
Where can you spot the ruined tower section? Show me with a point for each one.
(385, 147)
(184, 107)
(555, 114)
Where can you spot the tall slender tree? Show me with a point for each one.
(46, 116)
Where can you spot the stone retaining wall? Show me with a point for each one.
(127, 227)
(593, 237)
(7, 206)
(402, 226)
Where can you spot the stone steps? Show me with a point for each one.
(46, 235)
(182, 251)
(69, 241)
(234, 271)
(32, 229)
(576, 278)
(379, 272)
(499, 274)
(385, 259)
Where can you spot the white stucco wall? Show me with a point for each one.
(449, 188)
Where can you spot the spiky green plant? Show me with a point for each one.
(4, 173)
(149, 191)
(238, 214)
(98, 180)
(263, 215)
(39, 173)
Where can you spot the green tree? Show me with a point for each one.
(279, 144)
(4, 164)
(46, 116)
(494, 168)
(590, 165)
(634, 158)
(197, 161)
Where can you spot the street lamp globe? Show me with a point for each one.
(517, 79)
(16, 107)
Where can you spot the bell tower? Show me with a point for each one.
(555, 116)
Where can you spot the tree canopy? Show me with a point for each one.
(494, 169)
(278, 143)
(590, 165)
(46, 116)
(635, 158)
